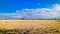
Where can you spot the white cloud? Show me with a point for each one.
(56, 7)
(52, 12)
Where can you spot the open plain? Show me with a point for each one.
(29, 26)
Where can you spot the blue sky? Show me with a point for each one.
(28, 8)
(9, 6)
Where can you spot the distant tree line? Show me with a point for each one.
(38, 19)
(31, 19)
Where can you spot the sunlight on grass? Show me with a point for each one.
(30, 26)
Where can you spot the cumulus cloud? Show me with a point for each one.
(52, 12)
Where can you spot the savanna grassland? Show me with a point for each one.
(29, 26)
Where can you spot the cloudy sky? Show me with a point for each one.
(29, 9)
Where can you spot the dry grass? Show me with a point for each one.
(31, 26)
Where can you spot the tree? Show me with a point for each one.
(22, 18)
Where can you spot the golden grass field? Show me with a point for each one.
(31, 26)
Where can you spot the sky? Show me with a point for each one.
(29, 9)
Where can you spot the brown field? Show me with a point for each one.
(30, 26)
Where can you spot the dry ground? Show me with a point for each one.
(32, 26)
